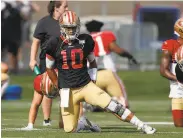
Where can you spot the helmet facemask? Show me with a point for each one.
(70, 32)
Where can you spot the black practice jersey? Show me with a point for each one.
(71, 60)
(46, 27)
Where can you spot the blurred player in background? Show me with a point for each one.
(27, 9)
(4, 78)
(178, 105)
(11, 33)
(179, 66)
(111, 83)
(167, 70)
(105, 43)
(70, 53)
(46, 27)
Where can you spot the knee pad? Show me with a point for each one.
(116, 108)
(177, 112)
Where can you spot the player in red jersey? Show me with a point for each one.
(167, 70)
(105, 43)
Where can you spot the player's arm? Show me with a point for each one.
(121, 52)
(165, 64)
(37, 37)
(92, 71)
(33, 53)
(50, 60)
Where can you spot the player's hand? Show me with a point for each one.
(54, 92)
(55, 84)
(133, 61)
(32, 64)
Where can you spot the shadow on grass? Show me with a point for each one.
(115, 129)
(118, 129)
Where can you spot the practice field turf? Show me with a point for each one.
(148, 95)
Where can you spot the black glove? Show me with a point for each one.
(133, 61)
(54, 92)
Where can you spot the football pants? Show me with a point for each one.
(89, 93)
(110, 82)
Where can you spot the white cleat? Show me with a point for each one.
(27, 128)
(148, 129)
(47, 122)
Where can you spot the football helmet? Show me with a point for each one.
(69, 26)
(178, 27)
(43, 85)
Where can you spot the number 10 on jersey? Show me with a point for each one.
(74, 65)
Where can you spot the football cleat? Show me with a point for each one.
(27, 128)
(147, 129)
(90, 125)
(47, 122)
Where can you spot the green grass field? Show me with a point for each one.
(148, 96)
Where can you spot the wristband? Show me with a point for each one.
(93, 73)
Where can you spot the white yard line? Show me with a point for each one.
(169, 132)
(35, 129)
(159, 123)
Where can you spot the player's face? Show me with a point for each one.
(70, 33)
(70, 30)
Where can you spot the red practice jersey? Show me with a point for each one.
(172, 46)
(102, 41)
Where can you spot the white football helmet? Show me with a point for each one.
(178, 27)
(69, 25)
